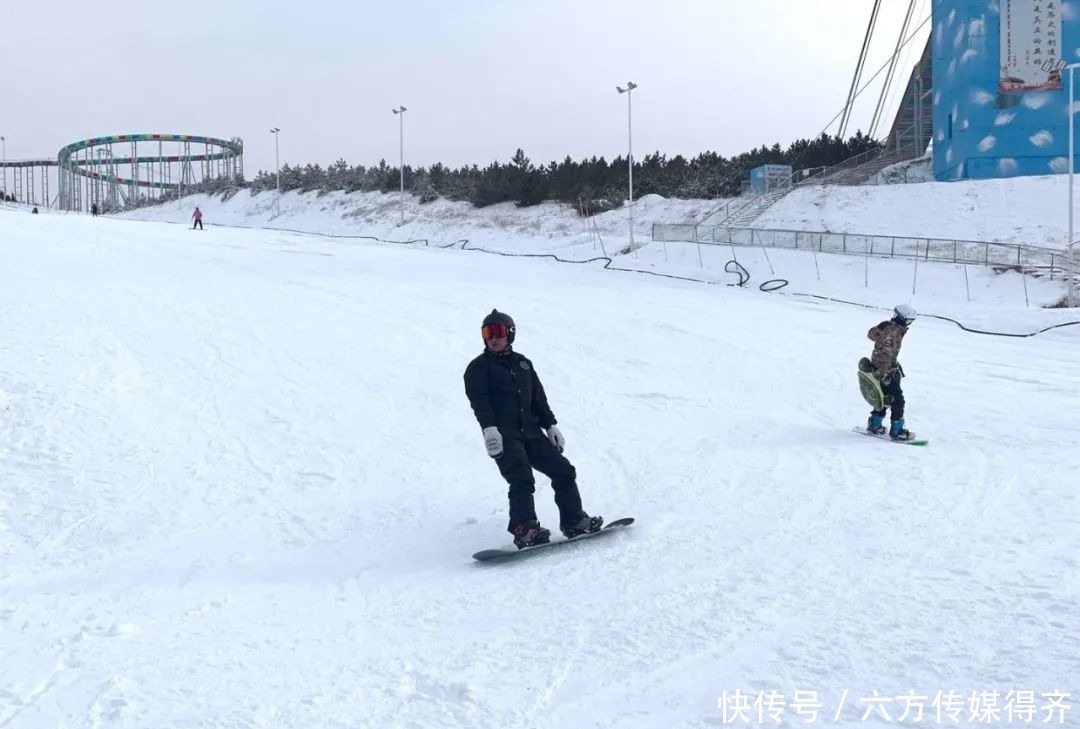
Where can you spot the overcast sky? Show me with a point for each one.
(480, 78)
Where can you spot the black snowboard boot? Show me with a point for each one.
(530, 533)
(583, 525)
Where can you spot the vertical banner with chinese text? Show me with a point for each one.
(1030, 45)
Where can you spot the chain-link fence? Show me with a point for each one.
(1032, 259)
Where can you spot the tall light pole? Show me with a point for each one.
(630, 86)
(1072, 164)
(277, 162)
(3, 151)
(400, 112)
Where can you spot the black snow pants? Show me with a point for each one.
(521, 454)
(892, 390)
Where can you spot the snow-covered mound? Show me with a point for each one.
(1027, 210)
(1024, 210)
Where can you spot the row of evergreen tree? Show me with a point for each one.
(593, 184)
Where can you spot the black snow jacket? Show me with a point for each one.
(505, 391)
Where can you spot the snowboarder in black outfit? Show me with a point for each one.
(520, 433)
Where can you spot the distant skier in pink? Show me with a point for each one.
(197, 215)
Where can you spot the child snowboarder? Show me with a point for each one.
(887, 338)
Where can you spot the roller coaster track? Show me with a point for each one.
(230, 150)
(79, 160)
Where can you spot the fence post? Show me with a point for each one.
(596, 229)
(866, 267)
(1023, 277)
(915, 274)
(967, 286)
(763, 251)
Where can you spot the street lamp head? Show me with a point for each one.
(275, 130)
(630, 86)
(399, 110)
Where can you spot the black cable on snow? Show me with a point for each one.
(944, 318)
(732, 267)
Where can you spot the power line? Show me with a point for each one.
(878, 73)
(876, 119)
(858, 69)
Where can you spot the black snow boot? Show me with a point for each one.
(530, 534)
(583, 525)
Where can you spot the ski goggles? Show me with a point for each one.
(494, 331)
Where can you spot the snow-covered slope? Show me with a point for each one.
(1028, 210)
(1033, 211)
(560, 230)
(240, 484)
(442, 220)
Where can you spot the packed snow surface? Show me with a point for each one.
(240, 485)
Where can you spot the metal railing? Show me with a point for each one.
(852, 163)
(742, 204)
(1030, 259)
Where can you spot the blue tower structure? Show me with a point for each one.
(1000, 89)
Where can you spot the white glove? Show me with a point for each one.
(493, 441)
(556, 437)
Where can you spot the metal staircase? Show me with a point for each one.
(858, 170)
(752, 210)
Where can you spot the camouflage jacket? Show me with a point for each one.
(887, 338)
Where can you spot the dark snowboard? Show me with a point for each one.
(504, 553)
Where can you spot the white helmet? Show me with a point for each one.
(904, 314)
